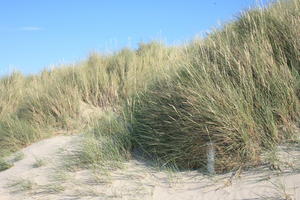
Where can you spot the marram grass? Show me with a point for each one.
(237, 89)
(58, 100)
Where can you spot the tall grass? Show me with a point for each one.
(57, 100)
(107, 144)
(237, 89)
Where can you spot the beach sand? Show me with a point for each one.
(138, 180)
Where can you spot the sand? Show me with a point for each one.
(52, 180)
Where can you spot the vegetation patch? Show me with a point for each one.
(108, 144)
(237, 91)
(4, 165)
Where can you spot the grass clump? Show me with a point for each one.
(52, 188)
(15, 134)
(4, 165)
(18, 156)
(237, 90)
(39, 162)
(22, 185)
(108, 144)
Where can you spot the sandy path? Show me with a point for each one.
(46, 150)
(137, 180)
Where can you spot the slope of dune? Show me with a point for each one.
(53, 179)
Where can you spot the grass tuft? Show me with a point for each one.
(4, 165)
(107, 144)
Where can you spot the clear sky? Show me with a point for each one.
(35, 34)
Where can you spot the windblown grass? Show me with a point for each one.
(55, 101)
(108, 144)
(4, 165)
(238, 88)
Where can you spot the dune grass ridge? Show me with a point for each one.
(237, 89)
(56, 100)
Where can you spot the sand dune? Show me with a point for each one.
(41, 174)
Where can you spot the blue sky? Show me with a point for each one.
(35, 34)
